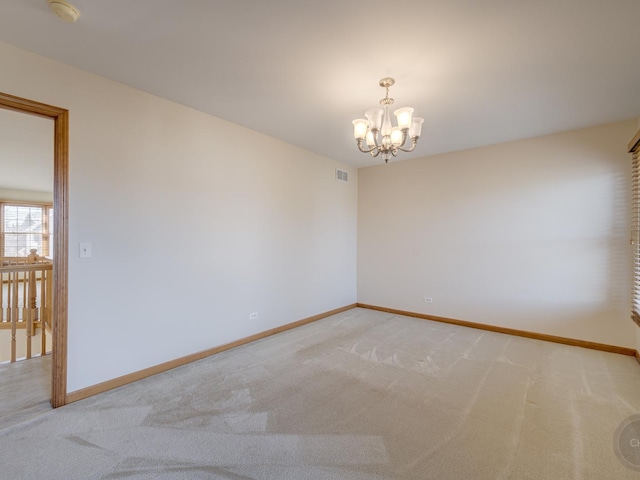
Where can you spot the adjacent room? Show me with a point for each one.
(332, 240)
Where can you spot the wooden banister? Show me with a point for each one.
(25, 293)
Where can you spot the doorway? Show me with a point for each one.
(60, 118)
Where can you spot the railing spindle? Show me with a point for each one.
(23, 308)
(2, 297)
(29, 319)
(44, 312)
(33, 258)
(14, 314)
(30, 300)
(49, 297)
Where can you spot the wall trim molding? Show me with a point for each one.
(512, 331)
(178, 362)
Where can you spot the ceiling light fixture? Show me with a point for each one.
(64, 10)
(378, 121)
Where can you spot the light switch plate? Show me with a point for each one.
(85, 250)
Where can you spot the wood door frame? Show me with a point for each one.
(60, 116)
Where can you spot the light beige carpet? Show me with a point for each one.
(25, 389)
(360, 395)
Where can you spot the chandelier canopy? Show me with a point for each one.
(381, 137)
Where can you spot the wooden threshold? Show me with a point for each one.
(178, 362)
(512, 331)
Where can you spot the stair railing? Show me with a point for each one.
(25, 301)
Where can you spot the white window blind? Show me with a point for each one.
(634, 148)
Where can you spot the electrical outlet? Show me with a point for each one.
(428, 300)
(253, 316)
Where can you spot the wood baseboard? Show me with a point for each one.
(511, 331)
(163, 367)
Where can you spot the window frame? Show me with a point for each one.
(47, 234)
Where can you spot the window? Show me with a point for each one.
(634, 148)
(24, 227)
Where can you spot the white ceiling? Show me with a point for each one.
(480, 72)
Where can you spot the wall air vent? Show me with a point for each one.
(342, 176)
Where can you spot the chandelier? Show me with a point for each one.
(380, 136)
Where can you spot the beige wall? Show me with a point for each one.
(195, 223)
(25, 196)
(529, 235)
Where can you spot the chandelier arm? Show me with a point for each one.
(375, 138)
(362, 149)
(404, 137)
(414, 142)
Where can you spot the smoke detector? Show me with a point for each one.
(64, 10)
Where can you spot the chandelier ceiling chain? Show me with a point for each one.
(380, 136)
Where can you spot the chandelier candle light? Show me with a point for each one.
(377, 131)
